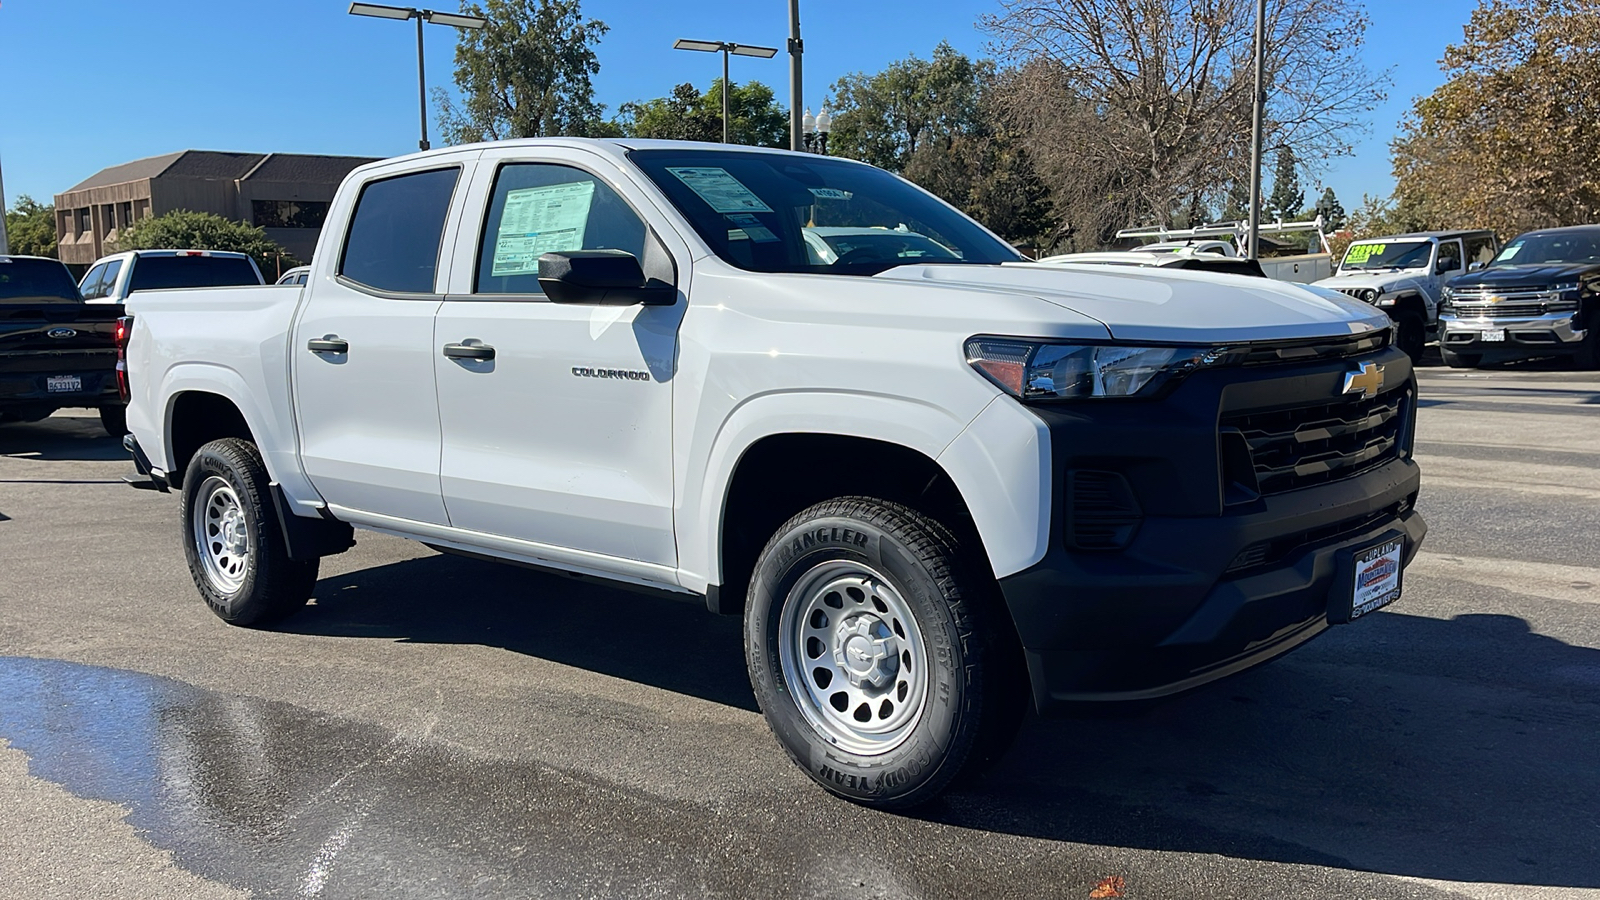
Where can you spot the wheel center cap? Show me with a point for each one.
(866, 650)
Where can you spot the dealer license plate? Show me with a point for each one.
(63, 384)
(1377, 577)
(1494, 334)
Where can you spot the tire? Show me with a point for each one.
(1588, 356)
(1411, 335)
(232, 540)
(844, 596)
(114, 419)
(1460, 360)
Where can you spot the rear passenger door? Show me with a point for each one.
(563, 437)
(363, 348)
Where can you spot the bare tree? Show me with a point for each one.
(1139, 110)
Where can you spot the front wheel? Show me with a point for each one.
(1588, 355)
(878, 652)
(232, 540)
(1411, 335)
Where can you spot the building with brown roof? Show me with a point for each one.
(285, 193)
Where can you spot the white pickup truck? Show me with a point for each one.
(938, 481)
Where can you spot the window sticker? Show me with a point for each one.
(830, 194)
(1509, 252)
(721, 191)
(1360, 253)
(540, 220)
(750, 228)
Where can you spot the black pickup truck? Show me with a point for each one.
(55, 350)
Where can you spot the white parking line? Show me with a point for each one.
(1497, 475)
(1574, 584)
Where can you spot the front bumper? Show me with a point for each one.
(1549, 333)
(1206, 586)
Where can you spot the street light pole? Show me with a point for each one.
(422, 90)
(796, 48)
(1257, 126)
(725, 56)
(402, 13)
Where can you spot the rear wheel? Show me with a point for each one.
(1460, 360)
(232, 540)
(114, 419)
(879, 654)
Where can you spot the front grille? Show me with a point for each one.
(1309, 445)
(1509, 305)
(1358, 293)
(1302, 350)
(1266, 552)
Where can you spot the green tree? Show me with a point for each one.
(1507, 141)
(1287, 200)
(527, 73)
(1331, 211)
(31, 227)
(1236, 202)
(755, 118)
(933, 121)
(187, 230)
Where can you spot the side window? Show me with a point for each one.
(90, 285)
(1480, 250)
(108, 281)
(394, 237)
(1449, 257)
(541, 208)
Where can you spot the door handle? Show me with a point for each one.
(328, 345)
(468, 351)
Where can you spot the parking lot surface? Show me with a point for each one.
(440, 727)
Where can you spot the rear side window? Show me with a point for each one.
(394, 238)
(154, 273)
(93, 283)
(36, 281)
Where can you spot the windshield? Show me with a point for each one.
(772, 212)
(1551, 247)
(1388, 255)
(160, 272)
(36, 281)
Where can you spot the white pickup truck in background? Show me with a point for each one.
(937, 480)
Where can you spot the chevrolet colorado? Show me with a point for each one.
(938, 484)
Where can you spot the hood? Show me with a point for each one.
(1536, 275)
(1151, 304)
(1388, 279)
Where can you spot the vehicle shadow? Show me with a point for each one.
(640, 637)
(1464, 749)
(60, 438)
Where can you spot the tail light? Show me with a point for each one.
(123, 332)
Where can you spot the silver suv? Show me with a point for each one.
(1405, 274)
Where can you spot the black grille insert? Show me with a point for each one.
(1102, 513)
(1309, 445)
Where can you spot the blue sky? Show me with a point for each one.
(153, 76)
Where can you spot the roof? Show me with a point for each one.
(219, 165)
(1424, 235)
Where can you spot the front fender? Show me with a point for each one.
(997, 461)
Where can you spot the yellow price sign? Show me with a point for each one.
(1360, 253)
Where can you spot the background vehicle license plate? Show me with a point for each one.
(61, 384)
(1496, 334)
(1377, 577)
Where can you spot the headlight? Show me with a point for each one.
(1040, 371)
(1564, 288)
(1370, 294)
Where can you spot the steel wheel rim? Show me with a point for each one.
(853, 657)
(221, 535)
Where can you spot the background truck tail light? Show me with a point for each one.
(123, 332)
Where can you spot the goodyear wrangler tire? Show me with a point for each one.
(877, 654)
(232, 540)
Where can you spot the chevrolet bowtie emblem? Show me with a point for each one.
(1366, 381)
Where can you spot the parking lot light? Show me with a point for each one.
(725, 48)
(402, 13)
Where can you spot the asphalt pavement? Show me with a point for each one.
(433, 726)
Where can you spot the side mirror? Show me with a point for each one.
(601, 278)
(1447, 265)
(1476, 265)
